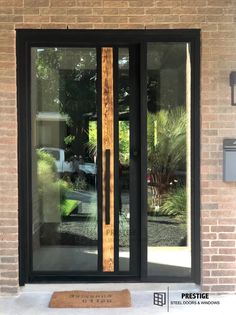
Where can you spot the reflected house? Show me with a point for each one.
(51, 129)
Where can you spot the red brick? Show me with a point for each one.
(89, 19)
(35, 18)
(9, 282)
(223, 273)
(11, 18)
(210, 251)
(223, 288)
(230, 280)
(10, 260)
(63, 19)
(92, 3)
(115, 19)
(6, 11)
(142, 3)
(227, 265)
(222, 258)
(9, 290)
(209, 265)
(106, 11)
(36, 3)
(54, 11)
(131, 11)
(26, 11)
(226, 251)
(8, 266)
(219, 3)
(222, 228)
(209, 236)
(231, 236)
(8, 237)
(52, 25)
(222, 243)
(209, 280)
(115, 4)
(9, 274)
(63, 3)
(11, 3)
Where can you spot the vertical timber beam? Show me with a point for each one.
(107, 147)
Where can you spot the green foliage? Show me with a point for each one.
(69, 139)
(47, 63)
(78, 88)
(46, 167)
(166, 137)
(175, 204)
(52, 191)
(68, 206)
(80, 183)
(123, 140)
(124, 229)
(92, 136)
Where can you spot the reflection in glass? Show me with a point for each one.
(64, 114)
(124, 158)
(168, 146)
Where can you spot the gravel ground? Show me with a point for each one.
(162, 231)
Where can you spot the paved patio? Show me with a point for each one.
(34, 299)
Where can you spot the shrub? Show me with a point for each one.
(175, 204)
(51, 190)
(166, 137)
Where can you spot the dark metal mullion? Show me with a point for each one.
(143, 166)
(99, 157)
(29, 164)
(116, 158)
(23, 159)
(134, 174)
(195, 159)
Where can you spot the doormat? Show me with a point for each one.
(90, 299)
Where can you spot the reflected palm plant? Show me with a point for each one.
(166, 136)
(174, 205)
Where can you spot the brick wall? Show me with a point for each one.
(217, 20)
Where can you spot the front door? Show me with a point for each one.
(108, 155)
(84, 160)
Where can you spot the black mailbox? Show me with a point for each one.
(229, 166)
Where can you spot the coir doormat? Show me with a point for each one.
(90, 299)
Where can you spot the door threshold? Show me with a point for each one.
(142, 286)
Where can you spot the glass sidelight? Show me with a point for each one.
(168, 159)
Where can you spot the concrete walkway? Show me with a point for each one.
(34, 299)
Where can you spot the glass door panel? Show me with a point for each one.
(64, 171)
(81, 141)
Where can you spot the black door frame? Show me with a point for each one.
(25, 39)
